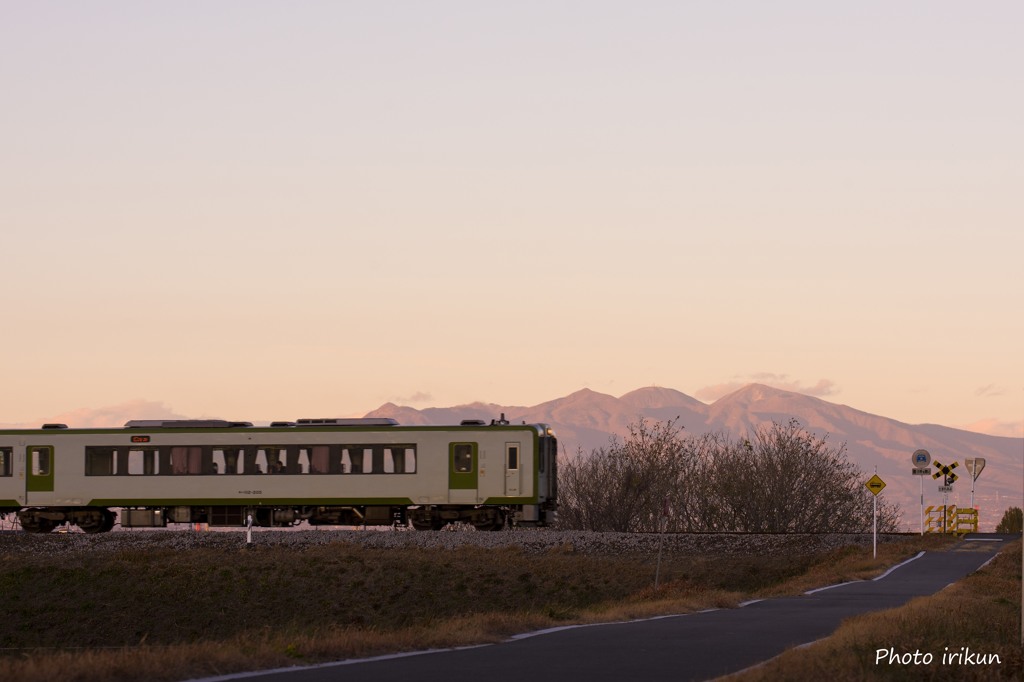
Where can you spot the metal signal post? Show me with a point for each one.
(949, 478)
(922, 460)
(974, 467)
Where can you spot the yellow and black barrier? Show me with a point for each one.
(949, 519)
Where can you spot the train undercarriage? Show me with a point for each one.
(45, 519)
(424, 517)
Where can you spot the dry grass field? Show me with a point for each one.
(174, 606)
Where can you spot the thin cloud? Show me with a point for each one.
(111, 415)
(417, 397)
(996, 427)
(823, 388)
(990, 391)
(716, 391)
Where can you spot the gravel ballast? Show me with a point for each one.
(533, 541)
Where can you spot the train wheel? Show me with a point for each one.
(109, 519)
(497, 522)
(417, 525)
(104, 525)
(32, 524)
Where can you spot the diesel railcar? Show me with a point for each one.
(152, 473)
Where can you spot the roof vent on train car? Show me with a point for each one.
(184, 424)
(55, 426)
(472, 422)
(500, 422)
(363, 421)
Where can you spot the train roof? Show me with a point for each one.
(224, 424)
(304, 423)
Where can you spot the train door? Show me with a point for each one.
(462, 473)
(513, 462)
(12, 490)
(39, 475)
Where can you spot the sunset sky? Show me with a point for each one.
(266, 210)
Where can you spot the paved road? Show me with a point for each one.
(688, 647)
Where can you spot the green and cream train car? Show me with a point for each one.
(322, 471)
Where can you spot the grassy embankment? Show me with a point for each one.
(162, 615)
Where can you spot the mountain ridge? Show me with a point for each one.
(586, 420)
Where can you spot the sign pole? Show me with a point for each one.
(874, 520)
(974, 467)
(875, 485)
(874, 526)
(949, 478)
(921, 478)
(922, 460)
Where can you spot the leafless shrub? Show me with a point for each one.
(780, 479)
(625, 486)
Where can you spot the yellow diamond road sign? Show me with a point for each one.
(875, 484)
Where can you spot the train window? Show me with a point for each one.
(186, 459)
(377, 459)
(273, 458)
(6, 454)
(462, 457)
(249, 459)
(229, 460)
(99, 461)
(512, 456)
(319, 459)
(281, 455)
(111, 461)
(262, 465)
(299, 464)
(218, 462)
(143, 463)
(133, 462)
(40, 461)
(224, 461)
(353, 458)
(400, 459)
(410, 460)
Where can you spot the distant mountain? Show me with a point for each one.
(586, 420)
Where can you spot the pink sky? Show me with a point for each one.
(260, 212)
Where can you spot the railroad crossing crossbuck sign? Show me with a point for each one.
(946, 471)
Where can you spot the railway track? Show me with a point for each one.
(533, 541)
